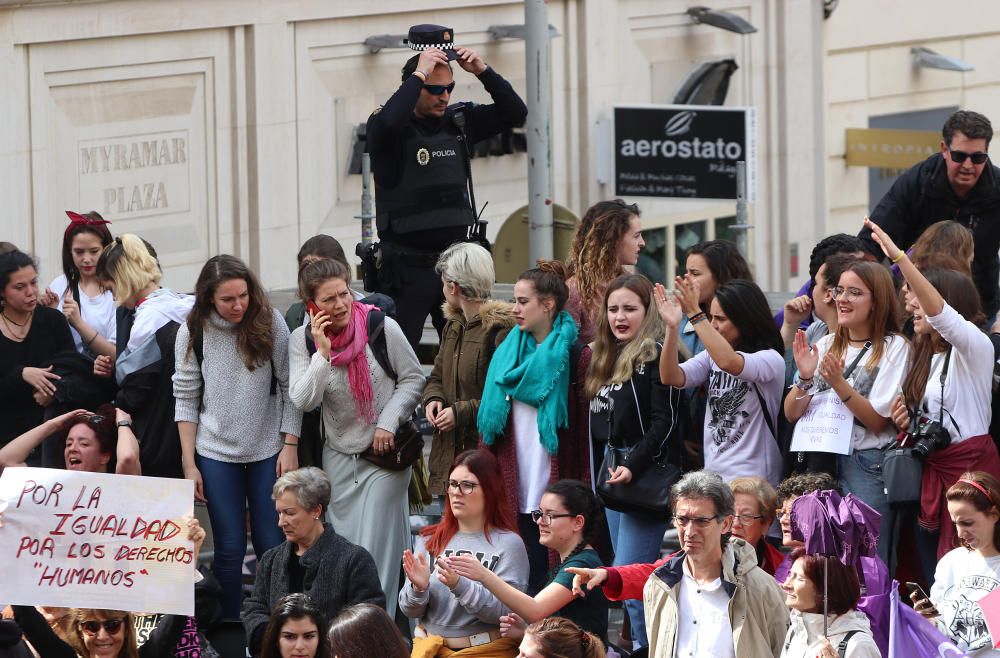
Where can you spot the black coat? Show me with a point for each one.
(337, 574)
(923, 196)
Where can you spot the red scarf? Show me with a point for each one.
(942, 468)
(348, 349)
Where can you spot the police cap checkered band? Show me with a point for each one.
(422, 37)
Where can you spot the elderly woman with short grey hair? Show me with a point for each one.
(476, 325)
(313, 559)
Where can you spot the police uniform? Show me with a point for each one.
(420, 166)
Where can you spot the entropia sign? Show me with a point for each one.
(684, 151)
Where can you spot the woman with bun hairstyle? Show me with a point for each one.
(362, 630)
(89, 309)
(608, 238)
(868, 347)
(946, 319)
(238, 428)
(533, 410)
(146, 333)
(557, 637)
(30, 335)
(633, 413)
(743, 367)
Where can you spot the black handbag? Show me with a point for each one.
(902, 468)
(648, 493)
(409, 444)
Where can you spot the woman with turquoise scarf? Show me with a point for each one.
(533, 410)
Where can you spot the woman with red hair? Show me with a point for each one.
(457, 614)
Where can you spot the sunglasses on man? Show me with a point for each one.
(437, 90)
(978, 158)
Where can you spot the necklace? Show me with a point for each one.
(858, 340)
(19, 324)
(16, 335)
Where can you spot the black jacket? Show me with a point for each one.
(658, 412)
(923, 196)
(337, 574)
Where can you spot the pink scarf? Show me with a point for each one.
(348, 349)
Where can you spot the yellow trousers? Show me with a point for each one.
(434, 647)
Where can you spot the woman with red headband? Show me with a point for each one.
(971, 571)
(88, 307)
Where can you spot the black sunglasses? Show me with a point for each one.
(437, 90)
(92, 627)
(979, 157)
(95, 419)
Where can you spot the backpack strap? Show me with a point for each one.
(765, 411)
(842, 647)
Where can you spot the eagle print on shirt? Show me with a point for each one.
(727, 418)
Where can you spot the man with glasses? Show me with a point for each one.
(420, 150)
(959, 183)
(710, 598)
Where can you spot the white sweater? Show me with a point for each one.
(238, 419)
(962, 578)
(313, 381)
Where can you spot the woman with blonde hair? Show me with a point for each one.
(608, 238)
(475, 326)
(146, 333)
(633, 414)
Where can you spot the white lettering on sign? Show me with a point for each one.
(685, 149)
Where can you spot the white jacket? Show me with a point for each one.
(804, 638)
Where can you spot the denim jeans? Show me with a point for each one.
(230, 489)
(635, 540)
(861, 475)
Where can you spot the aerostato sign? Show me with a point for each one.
(684, 151)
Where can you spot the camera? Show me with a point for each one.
(928, 436)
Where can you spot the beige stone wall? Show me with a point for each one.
(225, 125)
(868, 72)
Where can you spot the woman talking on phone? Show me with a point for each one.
(362, 405)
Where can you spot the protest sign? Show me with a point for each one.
(93, 540)
(826, 426)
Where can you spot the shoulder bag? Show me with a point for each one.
(648, 493)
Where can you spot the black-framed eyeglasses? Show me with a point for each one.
(696, 521)
(849, 294)
(437, 90)
(545, 518)
(747, 519)
(978, 158)
(93, 627)
(465, 486)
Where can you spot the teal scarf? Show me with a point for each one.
(536, 374)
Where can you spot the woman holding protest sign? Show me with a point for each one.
(850, 378)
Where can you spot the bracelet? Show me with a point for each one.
(289, 443)
(849, 396)
(898, 258)
(699, 314)
(92, 339)
(805, 385)
(701, 317)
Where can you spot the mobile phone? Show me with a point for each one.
(916, 588)
(312, 308)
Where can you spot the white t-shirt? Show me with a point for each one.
(703, 625)
(968, 383)
(962, 578)
(738, 441)
(879, 384)
(533, 461)
(98, 312)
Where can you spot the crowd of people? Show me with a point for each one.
(572, 427)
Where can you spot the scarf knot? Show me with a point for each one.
(534, 373)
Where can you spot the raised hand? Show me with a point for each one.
(667, 306)
(883, 240)
(797, 310)
(318, 325)
(470, 60)
(468, 566)
(688, 292)
(806, 358)
(417, 570)
(832, 369)
(429, 59)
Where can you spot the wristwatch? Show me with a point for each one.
(124, 423)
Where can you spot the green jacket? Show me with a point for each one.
(457, 380)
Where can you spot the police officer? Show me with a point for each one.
(420, 148)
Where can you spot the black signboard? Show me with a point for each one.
(684, 151)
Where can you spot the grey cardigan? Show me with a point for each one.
(337, 574)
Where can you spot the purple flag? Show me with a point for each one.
(912, 636)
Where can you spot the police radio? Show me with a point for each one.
(477, 229)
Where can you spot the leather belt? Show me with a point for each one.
(467, 641)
